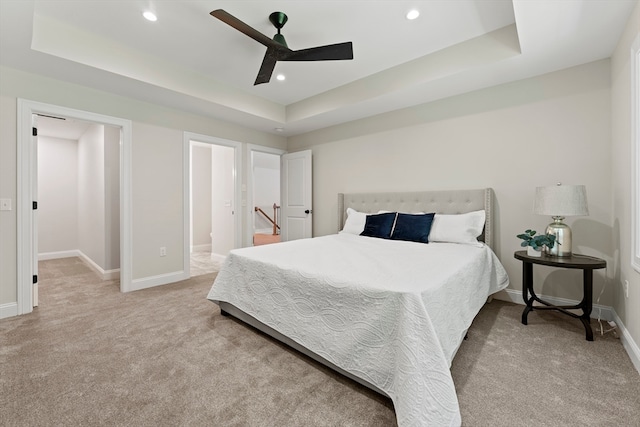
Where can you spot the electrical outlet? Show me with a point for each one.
(626, 289)
(163, 251)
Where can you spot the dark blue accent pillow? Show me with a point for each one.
(413, 227)
(379, 225)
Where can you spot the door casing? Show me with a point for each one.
(26, 176)
(240, 201)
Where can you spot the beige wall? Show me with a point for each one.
(157, 200)
(627, 308)
(8, 190)
(156, 167)
(512, 137)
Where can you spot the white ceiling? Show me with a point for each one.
(194, 62)
(61, 127)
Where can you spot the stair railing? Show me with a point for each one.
(273, 221)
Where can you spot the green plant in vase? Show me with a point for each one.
(537, 242)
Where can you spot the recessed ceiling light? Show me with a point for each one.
(279, 129)
(413, 14)
(150, 16)
(280, 77)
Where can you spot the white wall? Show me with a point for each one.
(513, 138)
(266, 188)
(79, 196)
(57, 195)
(626, 308)
(222, 199)
(91, 202)
(201, 195)
(112, 197)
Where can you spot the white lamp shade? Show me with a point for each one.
(561, 200)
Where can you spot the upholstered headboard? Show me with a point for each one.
(445, 202)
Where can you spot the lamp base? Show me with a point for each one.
(562, 248)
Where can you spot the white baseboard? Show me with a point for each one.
(104, 274)
(263, 231)
(58, 255)
(599, 311)
(628, 343)
(161, 279)
(8, 310)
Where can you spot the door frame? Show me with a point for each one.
(26, 178)
(249, 211)
(237, 180)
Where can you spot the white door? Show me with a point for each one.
(222, 199)
(297, 209)
(34, 211)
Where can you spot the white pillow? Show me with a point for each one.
(355, 222)
(462, 228)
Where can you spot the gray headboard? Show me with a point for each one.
(445, 202)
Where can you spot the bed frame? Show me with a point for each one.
(446, 202)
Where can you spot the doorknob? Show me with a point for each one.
(308, 211)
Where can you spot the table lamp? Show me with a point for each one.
(560, 201)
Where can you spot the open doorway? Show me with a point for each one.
(27, 217)
(78, 188)
(214, 229)
(265, 177)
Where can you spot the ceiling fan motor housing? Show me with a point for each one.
(278, 19)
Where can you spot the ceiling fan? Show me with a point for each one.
(277, 49)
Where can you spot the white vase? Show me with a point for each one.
(533, 252)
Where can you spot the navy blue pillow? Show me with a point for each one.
(413, 228)
(379, 225)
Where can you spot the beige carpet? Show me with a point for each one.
(90, 355)
(203, 263)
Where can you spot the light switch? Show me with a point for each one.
(5, 204)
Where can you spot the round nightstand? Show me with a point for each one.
(582, 262)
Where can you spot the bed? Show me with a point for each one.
(388, 313)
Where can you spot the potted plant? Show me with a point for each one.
(536, 242)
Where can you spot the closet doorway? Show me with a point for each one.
(78, 194)
(118, 247)
(213, 207)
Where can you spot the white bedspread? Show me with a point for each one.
(390, 312)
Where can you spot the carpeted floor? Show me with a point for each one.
(204, 263)
(89, 355)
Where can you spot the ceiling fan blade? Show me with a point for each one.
(331, 52)
(246, 29)
(267, 67)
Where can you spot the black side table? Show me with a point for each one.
(582, 262)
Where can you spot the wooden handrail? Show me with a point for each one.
(273, 222)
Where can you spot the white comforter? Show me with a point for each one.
(390, 312)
